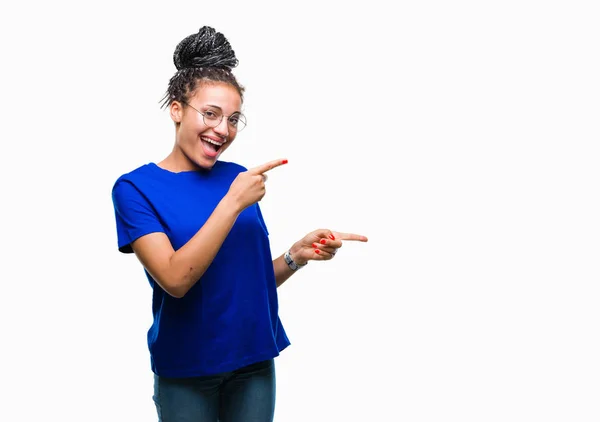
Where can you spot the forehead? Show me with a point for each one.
(219, 94)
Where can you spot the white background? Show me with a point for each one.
(460, 137)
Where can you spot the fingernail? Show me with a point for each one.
(332, 237)
(323, 241)
(284, 161)
(315, 245)
(317, 251)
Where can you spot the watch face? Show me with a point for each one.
(288, 259)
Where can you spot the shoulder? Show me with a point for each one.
(139, 182)
(147, 178)
(136, 175)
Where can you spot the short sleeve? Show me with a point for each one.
(135, 216)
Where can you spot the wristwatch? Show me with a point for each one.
(291, 263)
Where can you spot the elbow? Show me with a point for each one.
(177, 293)
(175, 289)
(176, 285)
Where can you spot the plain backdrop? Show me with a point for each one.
(460, 137)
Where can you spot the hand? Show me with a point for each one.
(321, 245)
(249, 186)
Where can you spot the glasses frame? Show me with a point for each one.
(235, 128)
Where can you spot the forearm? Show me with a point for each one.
(282, 269)
(188, 264)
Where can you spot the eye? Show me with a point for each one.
(209, 114)
(233, 120)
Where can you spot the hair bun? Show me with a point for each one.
(206, 48)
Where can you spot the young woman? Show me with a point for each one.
(194, 223)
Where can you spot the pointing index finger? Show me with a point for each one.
(267, 166)
(350, 236)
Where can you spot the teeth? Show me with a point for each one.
(210, 141)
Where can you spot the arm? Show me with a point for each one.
(319, 245)
(177, 271)
(282, 269)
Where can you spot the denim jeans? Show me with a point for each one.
(243, 395)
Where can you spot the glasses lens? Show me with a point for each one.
(212, 119)
(238, 122)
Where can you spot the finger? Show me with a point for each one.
(321, 255)
(334, 244)
(267, 166)
(323, 248)
(350, 236)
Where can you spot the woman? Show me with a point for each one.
(195, 225)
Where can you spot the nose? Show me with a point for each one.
(222, 128)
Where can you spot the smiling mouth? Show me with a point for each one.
(212, 144)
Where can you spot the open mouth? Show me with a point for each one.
(211, 147)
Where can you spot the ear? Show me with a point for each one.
(176, 111)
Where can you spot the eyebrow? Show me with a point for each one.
(216, 106)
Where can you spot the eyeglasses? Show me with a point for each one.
(213, 118)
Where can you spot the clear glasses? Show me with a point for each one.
(213, 118)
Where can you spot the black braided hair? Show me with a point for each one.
(205, 56)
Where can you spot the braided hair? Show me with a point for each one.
(205, 56)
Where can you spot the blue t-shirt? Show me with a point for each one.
(229, 318)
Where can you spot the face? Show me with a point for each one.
(201, 145)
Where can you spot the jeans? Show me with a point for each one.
(243, 395)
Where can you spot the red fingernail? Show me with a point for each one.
(315, 245)
(317, 251)
(323, 241)
(332, 237)
(283, 161)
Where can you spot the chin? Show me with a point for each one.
(205, 164)
(208, 162)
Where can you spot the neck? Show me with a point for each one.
(178, 162)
